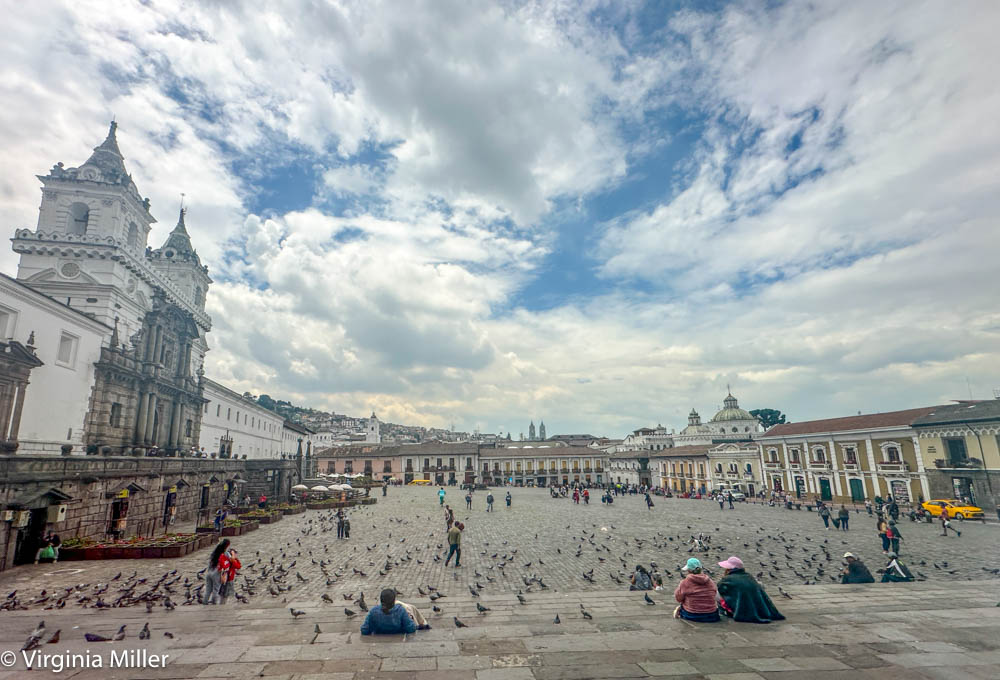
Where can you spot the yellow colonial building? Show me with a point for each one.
(960, 444)
(848, 459)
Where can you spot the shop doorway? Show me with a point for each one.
(825, 493)
(857, 490)
(29, 538)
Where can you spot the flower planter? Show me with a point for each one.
(95, 553)
(114, 553)
(205, 530)
(152, 552)
(232, 531)
(71, 554)
(175, 550)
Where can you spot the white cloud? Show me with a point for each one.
(449, 130)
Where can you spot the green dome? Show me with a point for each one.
(731, 411)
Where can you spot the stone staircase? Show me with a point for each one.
(913, 631)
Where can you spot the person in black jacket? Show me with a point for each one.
(855, 571)
(743, 598)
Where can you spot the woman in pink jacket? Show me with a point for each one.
(696, 595)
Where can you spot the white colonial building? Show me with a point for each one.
(236, 426)
(63, 345)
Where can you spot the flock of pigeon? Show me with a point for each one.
(604, 556)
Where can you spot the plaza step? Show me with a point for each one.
(932, 629)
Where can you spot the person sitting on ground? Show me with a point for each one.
(640, 579)
(696, 594)
(657, 582)
(389, 619)
(855, 571)
(742, 597)
(895, 571)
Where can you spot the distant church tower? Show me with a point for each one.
(531, 430)
(373, 435)
(541, 430)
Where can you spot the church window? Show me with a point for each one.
(76, 222)
(116, 415)
(718, 467)
(735, 429)
(7, 319)
(67, 350)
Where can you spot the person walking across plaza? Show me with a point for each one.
(508, 499)
(722, 500)
(586, 496)
(824, 513)
(855, 571)
(844, 516)
(489, 502)
(946, 524)
(881, 527)
(892, 533)
(468, 500)
(340, 523)
(449, 516)
(385, 488)
(441, 496)
(649, 502)
(729, 497)
(868, 506)
(216, 573)
(347, 526)
(455, 544)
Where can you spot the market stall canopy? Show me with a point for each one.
(300, 487)
(319, 488)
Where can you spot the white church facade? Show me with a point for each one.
(103, 337)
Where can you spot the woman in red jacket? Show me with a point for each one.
(697, 595)
(232, 565)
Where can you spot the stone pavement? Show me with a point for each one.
(541, 537)
(947, 630)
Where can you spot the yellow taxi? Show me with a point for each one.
(955, 509)
(421, 482)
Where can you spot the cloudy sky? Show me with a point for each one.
(596, 213)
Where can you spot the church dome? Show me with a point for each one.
(731, 411)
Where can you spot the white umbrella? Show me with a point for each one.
(346, 486)
(319, 488)
(300, 487)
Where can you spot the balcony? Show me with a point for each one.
(439, 468)
(851, 466)
(958, 464)
(772, 465)
(795, 465)
(893, 466)
(819, 465)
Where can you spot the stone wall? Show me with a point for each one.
(93, 489)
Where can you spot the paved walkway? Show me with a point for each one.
(912, 631)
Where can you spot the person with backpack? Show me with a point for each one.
(508, 499)
(895, 571)
(489, 502)
(468, 500)
(824, 513)
(892, 533)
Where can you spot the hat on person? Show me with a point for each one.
(850, 555)
(891, 554)
(693, 563)
(732, 563)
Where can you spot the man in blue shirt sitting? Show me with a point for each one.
(389, 619)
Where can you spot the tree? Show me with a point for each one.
(768, 417)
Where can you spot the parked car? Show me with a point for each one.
(955, 509)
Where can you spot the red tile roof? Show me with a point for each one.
(870, 421)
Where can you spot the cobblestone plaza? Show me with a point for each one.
(540, 536)
(831, 631)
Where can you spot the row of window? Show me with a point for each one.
(253, 421)
(818, 454)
